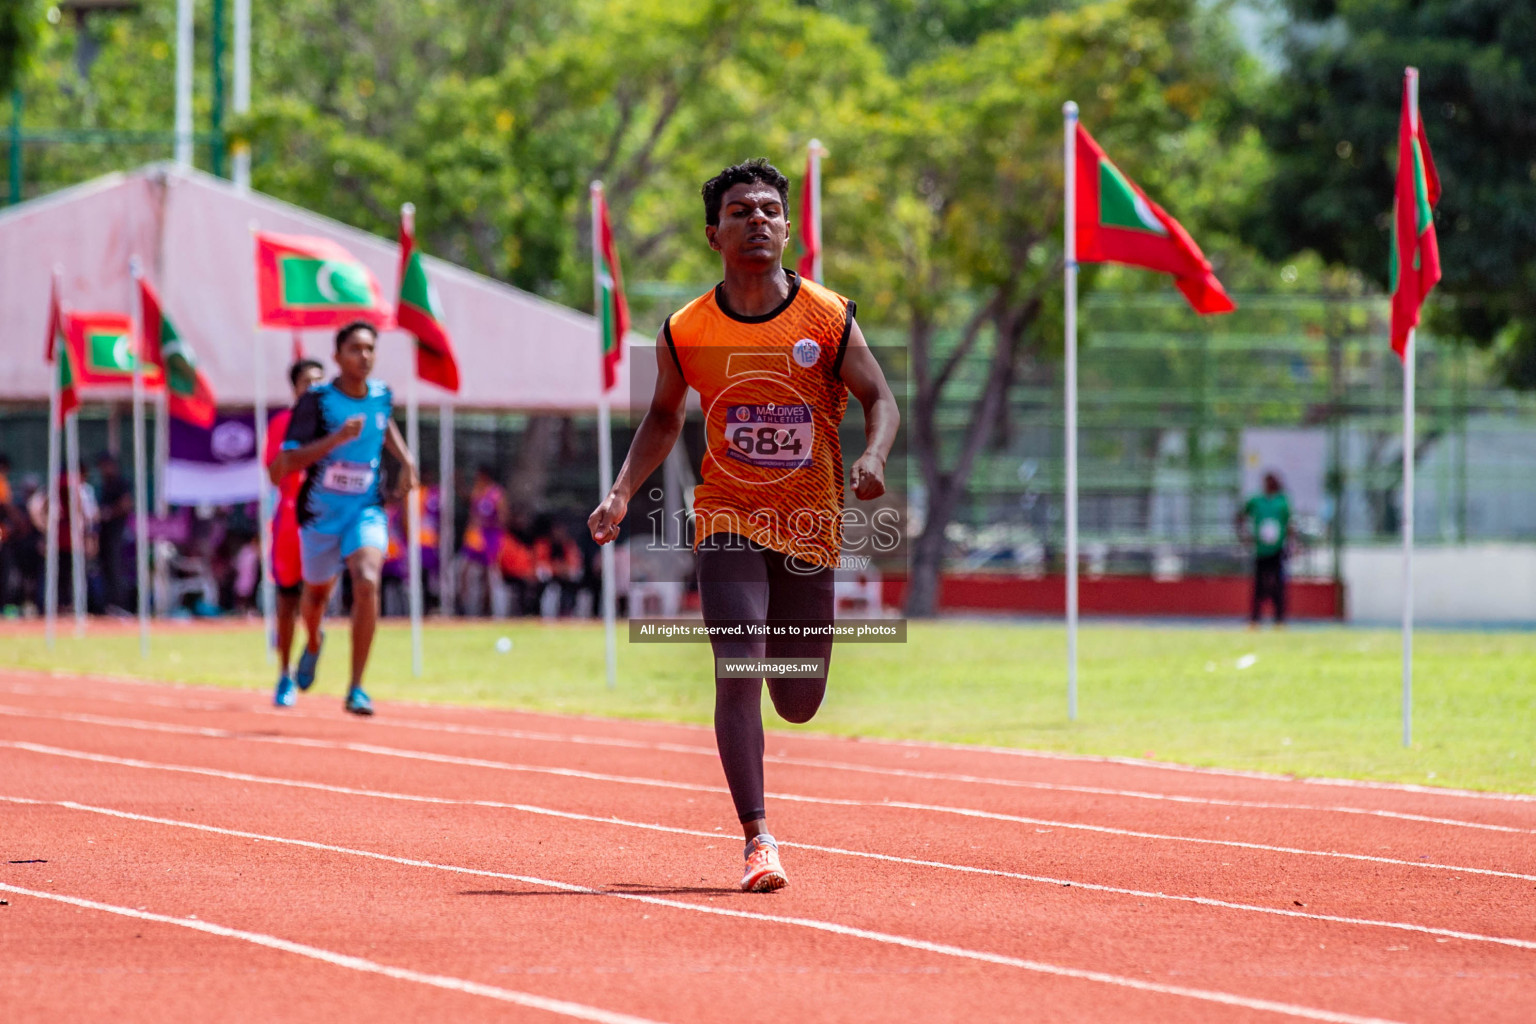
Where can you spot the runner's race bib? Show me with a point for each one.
(347, 477)
(775, 436)
(1269, 531)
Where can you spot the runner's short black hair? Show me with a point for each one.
(302, 366)
(356, 325)
(741, 174)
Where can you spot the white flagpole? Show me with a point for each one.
(51, 491)
(162, 456)
(76, 520)
(184, 83)
(263, 506)
(140, 469)
(413, 528)
(1410, 366)
(816, 154)
(1070, 388)
(1410, 356)
(447, 578)
(263, 497)
(604, 447)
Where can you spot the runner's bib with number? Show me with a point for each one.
(776, 436)
(772, 393)
(347, 478)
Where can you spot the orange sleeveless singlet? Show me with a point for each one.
(772, 399)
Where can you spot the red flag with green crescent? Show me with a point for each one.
(191, 397)
(102, 349)
(612, 311)
(57, 354)
(420, 312)
(314, 282)
(1117, 223)
(1414, 243)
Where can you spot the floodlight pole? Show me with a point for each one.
(184, 83)
(1069, 387)
(241, 169)
(1410, 366)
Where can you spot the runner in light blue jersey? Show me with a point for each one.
(337, 435)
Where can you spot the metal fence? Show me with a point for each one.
(1181, 415)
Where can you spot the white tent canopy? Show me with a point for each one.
(193, 233)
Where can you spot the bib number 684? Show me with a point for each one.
(766, 440)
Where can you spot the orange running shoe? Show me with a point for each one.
(764, 872)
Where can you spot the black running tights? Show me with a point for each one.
(742, 584)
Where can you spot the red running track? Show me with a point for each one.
(179, 853)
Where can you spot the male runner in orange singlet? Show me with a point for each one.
(773, 358)
(287, 570)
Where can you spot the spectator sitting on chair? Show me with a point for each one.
(515, 560)
(1269, 514)
(557, 562)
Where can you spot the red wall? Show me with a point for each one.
(1199, 597)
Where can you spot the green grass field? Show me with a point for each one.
(1314, 701)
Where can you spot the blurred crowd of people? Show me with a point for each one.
(508, 561)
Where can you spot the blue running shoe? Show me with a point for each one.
(305, 674)
(358, 702)
(286, 693)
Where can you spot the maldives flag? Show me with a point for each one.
(191, 397)
(57, 354)
(613, 311)
(810, 214)
(103, 347)
(313, 282)
(1414, 244)
(419, 312)
(1117, 223)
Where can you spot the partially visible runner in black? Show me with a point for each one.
(759, 562)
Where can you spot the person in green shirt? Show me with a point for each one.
(1265, 519)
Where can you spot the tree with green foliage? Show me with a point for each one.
(1330, 119)
(18, 38)
(962, 231)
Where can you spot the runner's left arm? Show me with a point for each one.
(395, 445)
(867, 382)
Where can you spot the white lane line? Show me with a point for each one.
(964, 748)
(837, 851)
(355, 963)
(573, 773)
(662, 783)
(884, 938)
(915, 862)
(578, 739)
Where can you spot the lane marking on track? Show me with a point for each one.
(475, 762)
(1133, 762)
(834, 850)
(578, 739)
(884, 938)
(355, 963)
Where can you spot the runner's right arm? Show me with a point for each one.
(303, 431)
(657, 434)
